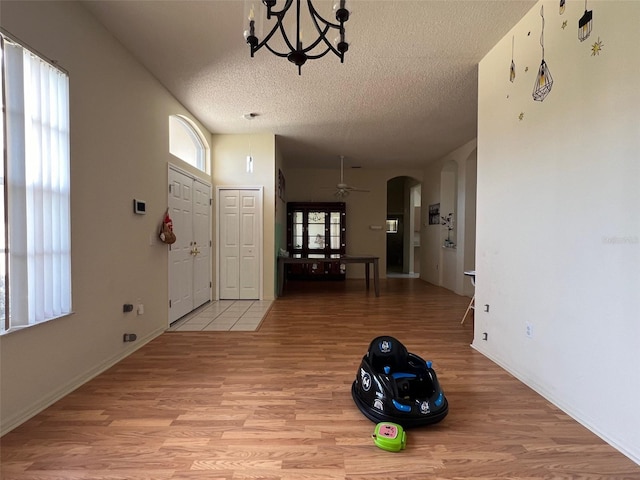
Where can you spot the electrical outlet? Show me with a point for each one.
(528, 330)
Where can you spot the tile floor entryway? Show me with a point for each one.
(224, 315)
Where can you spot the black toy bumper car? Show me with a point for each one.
(393, 385)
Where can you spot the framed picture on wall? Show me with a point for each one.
(434, 214)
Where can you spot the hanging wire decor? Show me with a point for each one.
(562, 6)
(512, 69)
(544, 82)
(585, 24)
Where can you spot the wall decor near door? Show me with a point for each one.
(166, 234)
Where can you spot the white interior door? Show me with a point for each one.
(202, 243)
(180, 257)
(240, 223)
(190, 255)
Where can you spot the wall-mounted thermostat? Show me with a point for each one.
(139, 206)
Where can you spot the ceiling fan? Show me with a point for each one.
(342, 189)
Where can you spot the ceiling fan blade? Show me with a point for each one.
(342, 189)
(344, 186)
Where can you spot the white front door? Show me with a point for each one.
(202, 243)
(240, 240)
(189, 256)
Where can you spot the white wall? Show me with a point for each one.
(229, 153)
(558, 231)
(119, 151)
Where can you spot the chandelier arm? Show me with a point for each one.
(320, 55)
(322, 37)
(283, 55)
(315, 14)
(280, 14)
(329, 47)
(284, 35)
(264, 43)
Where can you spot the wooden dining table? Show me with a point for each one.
(367, 260)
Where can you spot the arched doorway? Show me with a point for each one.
(403, 226)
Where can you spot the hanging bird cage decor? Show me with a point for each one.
(585, 24)
(544, 82)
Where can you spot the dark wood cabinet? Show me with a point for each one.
(316, 230)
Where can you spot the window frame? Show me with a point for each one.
(190, 131)
(35, 141)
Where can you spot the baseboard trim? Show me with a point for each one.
(576, 415)
(31, 411)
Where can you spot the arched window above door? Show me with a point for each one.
(186, 142)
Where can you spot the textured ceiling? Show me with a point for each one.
(406, 93)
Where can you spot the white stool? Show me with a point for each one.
(472, 304)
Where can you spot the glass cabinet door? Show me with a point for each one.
(335, 230)
(298, 229)
(316, 229)
(316, 232)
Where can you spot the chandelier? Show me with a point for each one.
(291, 38)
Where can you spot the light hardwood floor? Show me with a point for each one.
(275, 404)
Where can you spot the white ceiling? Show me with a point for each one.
(406, 93)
